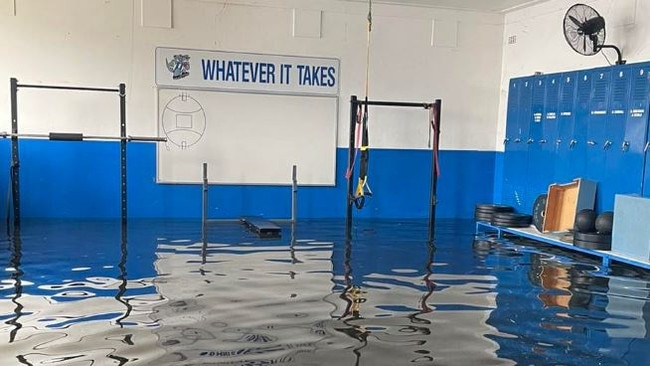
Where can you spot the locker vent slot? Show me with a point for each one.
(639, 88)
(619, 94)
(600, 91)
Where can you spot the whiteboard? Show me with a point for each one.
(246, 138)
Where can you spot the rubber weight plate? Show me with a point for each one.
(511, 216)
(592, 237)
(483, 217)
(539, 208)
(592, 245)
(494, 208)
(510, 222)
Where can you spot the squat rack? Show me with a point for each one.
(123, 138)
(436, 107)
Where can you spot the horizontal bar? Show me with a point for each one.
(394, 104)
(80, 88)
(62, 136)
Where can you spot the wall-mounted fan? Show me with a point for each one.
(584, 30)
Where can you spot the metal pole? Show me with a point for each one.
(294, 194)
(437, 109)
(348, 216)
(15, 161)
(123, 152)
(204, 217)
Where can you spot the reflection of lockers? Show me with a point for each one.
(589, 124)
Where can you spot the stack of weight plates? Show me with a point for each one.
(483, 212)
(511, 219)
(595, 241)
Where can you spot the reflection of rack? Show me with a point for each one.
(123, 281)
(16, 275)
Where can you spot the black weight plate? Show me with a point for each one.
(483, 218)
(510, 222)
(592, 245)
(511, 216)
(492, 211)
(539, 208)
(494, 208)
(592, 237)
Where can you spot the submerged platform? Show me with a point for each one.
(531, 232)
(263, 228)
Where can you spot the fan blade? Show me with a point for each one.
(584, 43)
(575, 21)
(593, 25)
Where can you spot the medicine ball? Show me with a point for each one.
(585, 221)
(604, 222)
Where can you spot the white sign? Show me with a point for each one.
(228, 71)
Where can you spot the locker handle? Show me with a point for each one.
(573, 143)
(517, 140)
(626, 146)
(591, 143)
(647, 146)
(506, 140)
(558, 142)
(542, 141)
(530, 141)
(607, 144)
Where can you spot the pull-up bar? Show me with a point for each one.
(395, 104)
(436, 107)
(63, 136)
(66, 136)
(59, 87)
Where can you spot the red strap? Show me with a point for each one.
(434, 125)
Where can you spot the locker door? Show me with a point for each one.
(597, 131)
(520, 147)
(550, 131)
(578, 143)
(636, 128)
(535, 168)
(565, 128)
(615, 153)
(510, 142)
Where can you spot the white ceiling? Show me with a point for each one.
(496, 6)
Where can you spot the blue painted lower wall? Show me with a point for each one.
(82, 180)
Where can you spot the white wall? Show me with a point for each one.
(103, 43)
(541, 45)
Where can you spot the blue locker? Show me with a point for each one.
(511, 142)
(536, 172)
(516, 151)
(597, 131)
(637, 124)
(550, 131)
(565, 128)
(578, 141)
(614, 145)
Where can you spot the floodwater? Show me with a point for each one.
(86, 293)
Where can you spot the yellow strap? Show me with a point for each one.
(362, 183)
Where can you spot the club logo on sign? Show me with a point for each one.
(179, 66)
